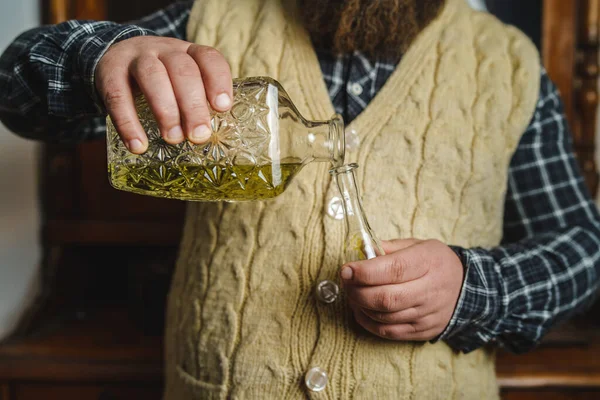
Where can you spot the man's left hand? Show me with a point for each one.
(408, 294)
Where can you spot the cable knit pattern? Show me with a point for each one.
(436, 143)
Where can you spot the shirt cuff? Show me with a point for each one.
(95, 46)
(467, 330)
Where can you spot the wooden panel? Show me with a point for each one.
(33, 391)
(141, 232)
(563, 394)
(59, 11)
(587, 90)
(551, 366)
(89, 9)
(558, 47)
(119, 10)
(570, 51)
(107, 347)
(62, 10)
(4, 391)
(59, 177)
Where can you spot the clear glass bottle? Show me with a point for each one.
(254, 151)
(360, 242)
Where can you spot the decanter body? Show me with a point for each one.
(360, 242)
(254, 151)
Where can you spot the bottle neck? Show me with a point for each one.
(355, 215)
(359, 237)
(325, 141)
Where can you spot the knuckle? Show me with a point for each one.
(382, 330)
(385, 300)
(362, 275)
(382, 317)
(207, 52)
(426, 323)
(413, 313)
(396, 268)
(412, 328)
(419, 326)
(187, 70)
(114, 97)
(183, 65)
(124, 127)
(148, 66)
(198, 104)
(167, 114)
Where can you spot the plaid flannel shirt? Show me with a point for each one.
(547, 265)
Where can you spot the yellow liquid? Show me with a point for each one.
(197, 183)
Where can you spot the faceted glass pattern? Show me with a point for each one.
(255, 149)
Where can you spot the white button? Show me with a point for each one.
(352, 140)
(315, 379)
(356, 89)
(335, 209)
(327, 291)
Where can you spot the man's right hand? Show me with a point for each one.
(179, 80)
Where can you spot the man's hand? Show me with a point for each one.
(408, 294)
(179, 80)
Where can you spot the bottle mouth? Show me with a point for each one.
(338, 150)
(343, 169)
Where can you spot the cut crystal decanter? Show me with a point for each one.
(360, 242)
(254, 151)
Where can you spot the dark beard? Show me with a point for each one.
(377, 28)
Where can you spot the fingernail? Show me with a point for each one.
(201, 133)
(175, 134)
(346, 273)
(135, 146)
(223, 101)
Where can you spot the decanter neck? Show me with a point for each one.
(325, 141)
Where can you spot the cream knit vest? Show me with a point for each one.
(243, 322)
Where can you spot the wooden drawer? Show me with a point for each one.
(4, 391)
(552, 394)
(38, 391)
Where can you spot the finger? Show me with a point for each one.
(418, 330)
(399, 267)
(118, 100)
(216, 75)
(191, 98)
(391, 246)
(399, 317)
(153, 80)
(387, 298)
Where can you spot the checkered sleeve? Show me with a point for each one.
(47, 88)
(547, 267)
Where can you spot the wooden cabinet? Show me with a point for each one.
(37, 391)
(108, 254)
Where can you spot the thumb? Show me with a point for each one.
(392, 246)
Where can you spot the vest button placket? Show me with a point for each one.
(335, 208)
(327, 291)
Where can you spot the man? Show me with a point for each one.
(461, 144)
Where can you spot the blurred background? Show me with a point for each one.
(84, 269)
(20, 247)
